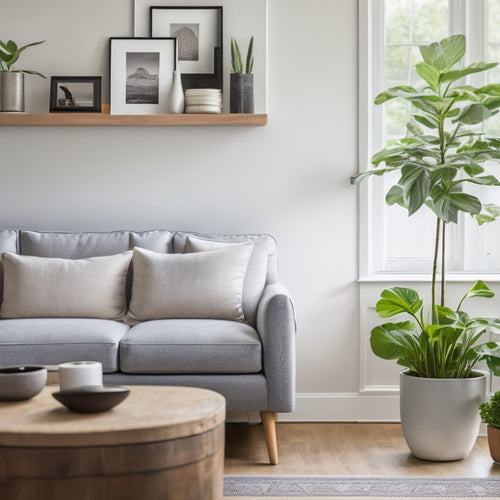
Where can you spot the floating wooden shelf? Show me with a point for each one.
(106, 120)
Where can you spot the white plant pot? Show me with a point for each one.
(440, 417)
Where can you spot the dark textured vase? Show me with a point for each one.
(241, 98)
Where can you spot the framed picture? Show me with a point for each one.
(198, 31)
(140, 76)
(75, 93)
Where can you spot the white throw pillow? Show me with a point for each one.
(42, 287)
(194, 244)
(196, 285)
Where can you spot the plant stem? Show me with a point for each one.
(434, 271)
(443, 262)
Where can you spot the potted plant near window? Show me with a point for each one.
(442, 152)
(12, 81)
(490, 415)
(241, 79)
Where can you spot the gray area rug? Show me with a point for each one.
(331, 486)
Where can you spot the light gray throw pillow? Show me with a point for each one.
(196, 285)
(44, 287)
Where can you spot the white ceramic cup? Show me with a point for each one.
(79, 373)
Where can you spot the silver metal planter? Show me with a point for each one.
(440, 417)
(11, 91)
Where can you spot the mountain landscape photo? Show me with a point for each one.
(142, 87)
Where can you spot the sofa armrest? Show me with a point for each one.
(277, 327)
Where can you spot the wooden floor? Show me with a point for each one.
(342, 449)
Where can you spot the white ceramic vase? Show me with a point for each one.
(176, 98)
(440, 417)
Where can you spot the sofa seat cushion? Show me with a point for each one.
(191, 346)
(51, 341)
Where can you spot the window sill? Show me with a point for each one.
(427, 278)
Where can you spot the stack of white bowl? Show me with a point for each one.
(203, 101)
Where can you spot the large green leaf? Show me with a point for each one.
(415, 180)
(490, 213)
(414, 129)
(490, 352)
(446, 203)
(393, 340)
(405, 92)
(491, 103)
(368, 173)
(395, 195)
(429, 74)
(445, 315)
(473, 113)
(444, 175)
(491, 89)
(479, 289)
(465, 202)
(428, 122)
(444, 54)
(485, 180)
(452, 76)
(398, 300)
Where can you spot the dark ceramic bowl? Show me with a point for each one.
(21, 382)
(92, 398)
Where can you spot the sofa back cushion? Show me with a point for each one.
(40, 287)
(73, 245)
(8, 243)
(262, 267)
(198, 285)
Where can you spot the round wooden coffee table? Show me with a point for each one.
(161, 442)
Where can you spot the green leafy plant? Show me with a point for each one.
(9, 54)
(441, 152)
(490, 411)
(237, 61)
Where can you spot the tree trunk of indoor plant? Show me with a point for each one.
(11, 91)
(440, 417)
(241, 96)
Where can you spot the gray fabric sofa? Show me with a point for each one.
(250, 362)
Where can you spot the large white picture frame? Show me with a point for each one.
(140, 77)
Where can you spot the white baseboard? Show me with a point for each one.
(344, 407)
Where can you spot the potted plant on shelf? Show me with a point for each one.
(12, 81)
(441, 388)
(241, 79)
(490, 415)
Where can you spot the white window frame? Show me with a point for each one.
(465, 16)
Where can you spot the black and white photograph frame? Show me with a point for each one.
(75, 94)
(140, 75)
(199, 41)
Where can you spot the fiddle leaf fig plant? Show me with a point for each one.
(9, 54)
(442, 152)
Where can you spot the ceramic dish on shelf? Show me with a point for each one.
(92, 398)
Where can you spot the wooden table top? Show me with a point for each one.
(149, 414)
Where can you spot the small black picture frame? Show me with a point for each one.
(75, 94)
(201, 66)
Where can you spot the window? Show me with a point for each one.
(390, 32)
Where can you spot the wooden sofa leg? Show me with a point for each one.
(269, 419)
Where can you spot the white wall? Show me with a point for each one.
(290, 179)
